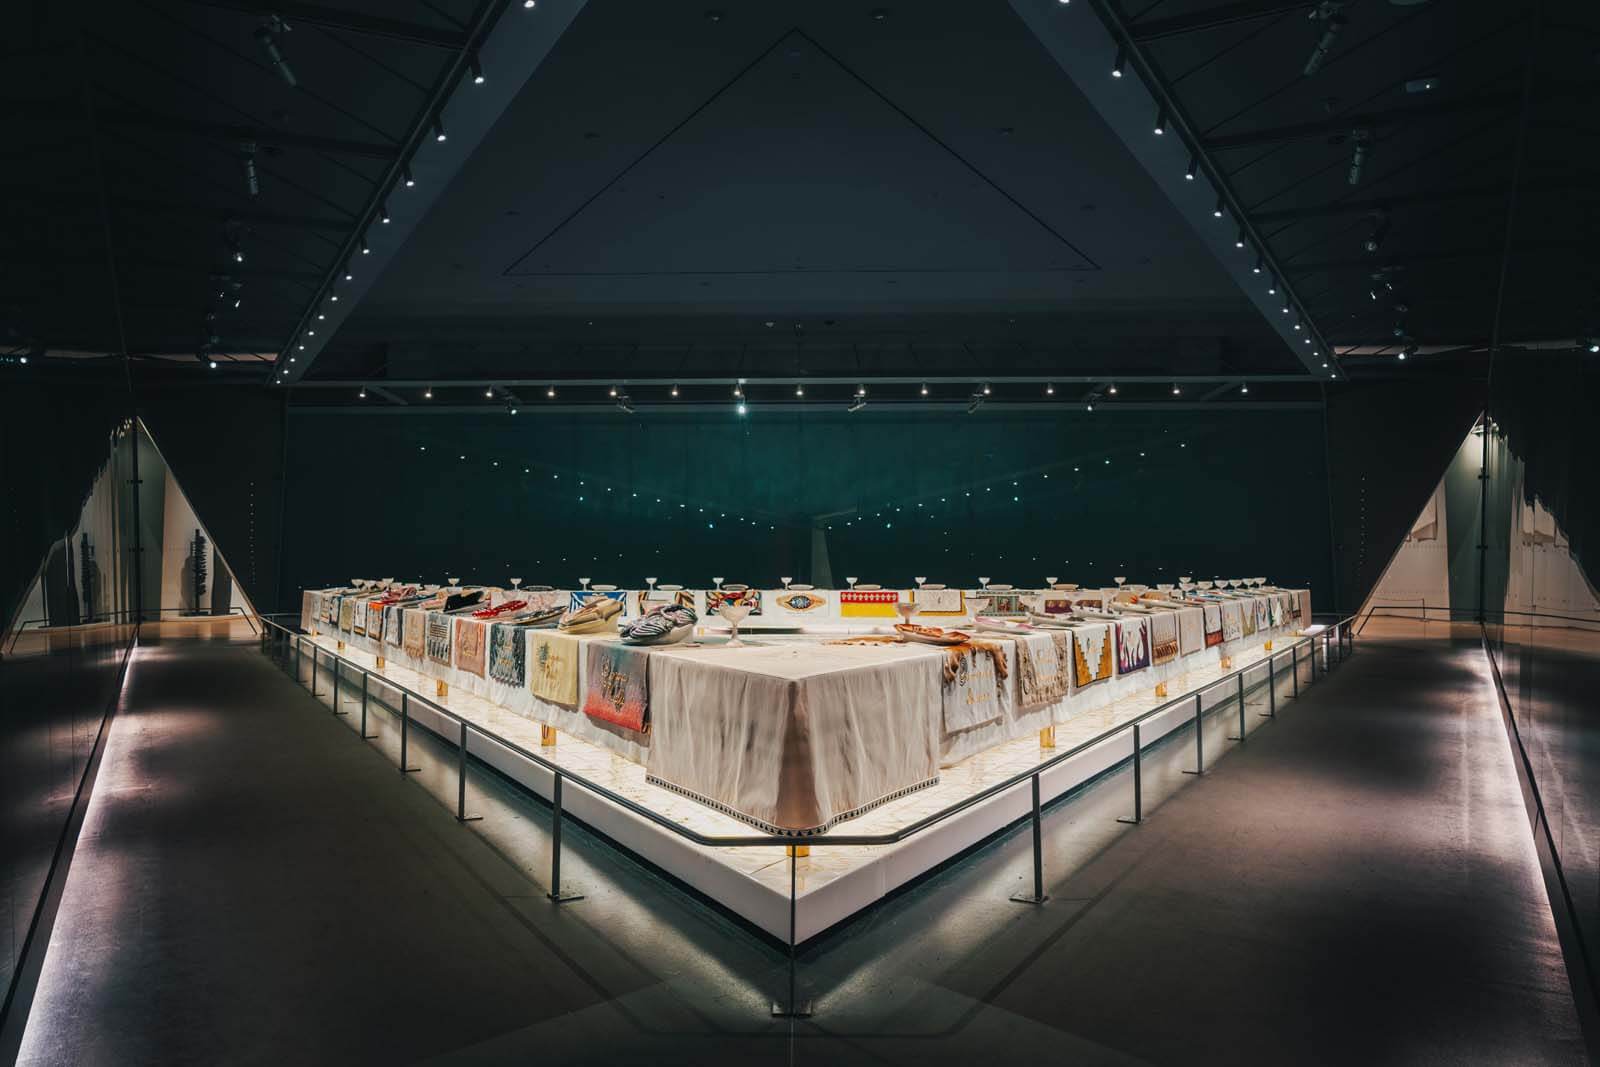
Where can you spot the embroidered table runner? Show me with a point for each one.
(1191, 630)
(470, 651)
(415, 625)
(618, 689)
(1091, 653)
(1042, 668)
(1133, 644)
(347, 612)
(439, 629)
(972, 693)
(1232, 620)
(508, 654)
(1163, 637)
(1247, 616)
(1213, 614)
(553, 667)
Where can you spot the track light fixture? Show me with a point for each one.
(348, 276)
(427, 394)
(986, 389)
(1120, 62)
(247, 156)
(477, 70)
(363, 394)
(1049, 389)
(212, 364)
(550, 391)
(674, 388)
(1272, 286)
(1112, 389)
(1177, 390)
(267, 35)
(1257, 268)
(1330, 14)
(383, 213)
(974, 402)
(1408, 350)
(1238, 241)
(407, 178)
(614, 392)
(1363, 139)
(799, 390)
(739, 408)
(857, 402)
(924, 389)
(1244, 387)
(364, 249)
(625, 404)
(1161, 121)
(438, 130)
(1217, 211)
(490, 393)
(1192, 169)
(1379, 221)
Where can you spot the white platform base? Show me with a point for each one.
(833, 883)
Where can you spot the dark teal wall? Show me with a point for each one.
(1078, 496)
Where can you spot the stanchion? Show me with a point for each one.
(1272, 688)
(405, 723)
(461, 779)
(338, 669)
(555, 893)
(364, 735)
(1037, 896)
(1241, 737)
(314, 654)
(1138, 783)
(1199, 738)
(1296, 651)
(795, 1008)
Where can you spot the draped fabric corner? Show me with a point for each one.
(1163, 637)
(1091, 654)
(439, 630)
(618, 689)
(553, 667)
(415, 625)
(1133, 644)
(1213, 627)
(972, 694)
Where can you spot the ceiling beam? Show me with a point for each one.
(1211, 17)
(336, 19)
(1343, 124)
(869, 380)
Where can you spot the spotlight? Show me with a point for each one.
(1192, 169)
(512, 409)
(625, 404)
(1408, 350)
(490, 393)
(383, 213)
(247, 155)
(1218, 210)
(1238, 242)
(856, 404)
(1327, 13)
(529, 4)
(1257, 268)
(348, 276)
(438, 130)
(1089, 406)
(1594, 346)
(861, 390)
(213, 364)
(363, 394)
(613, 391)
(409, 180)
(365, 250)
(477, 71)
(1380, 230)
(1359, 160)
(799, 390)
(550, 392)
(1244, 387)
(986, 389)
(1272, 287)
(674, 388)
(974, 402)
(267, 34)
(1161, 121)
(1122, 57)
(1049, 389)
(1112, 389)
(1176, 390)
(427, 394)
(738, 391)
(924, 388)
(740, 408)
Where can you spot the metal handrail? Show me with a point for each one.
(107, 616)
(895, 837)
(1461, 615)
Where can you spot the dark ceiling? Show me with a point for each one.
(832, 188)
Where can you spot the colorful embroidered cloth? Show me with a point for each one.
(1001, 605)
(1232, 620)
(868, 604)
(1213, 624)
(308, 609)
(715, 598)
(1247, 616)
(375, 620)
(471, 653)
(1091, 653)
(618, 689)
(1191, 630)
(415, 624)
(940, 601)
(1133, 644)
(579, 597)
(799, 603)
(347, 612)
(439, 629)
(1163, 637)
(508, 657)
(1263, 614)
(1043, 661)
(553, 667)
(392, 624)
(972, 695)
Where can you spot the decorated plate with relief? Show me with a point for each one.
(801, 587)
(1001, 587)
(800, 600)
(866, 587)
(931, 635)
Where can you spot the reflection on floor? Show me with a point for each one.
(1354, 885)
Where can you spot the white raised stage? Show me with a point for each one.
(832, 882)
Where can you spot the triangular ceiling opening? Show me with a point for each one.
(799, 164)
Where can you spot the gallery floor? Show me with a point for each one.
(1356, 884)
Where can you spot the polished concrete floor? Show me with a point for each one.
(1354, 884)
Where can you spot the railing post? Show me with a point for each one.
(1272, 687)
(1295, 649)
(337, 670)
(1241, 737)
(555, 893)
(795, 1008)
(1038, 896)
(314, 654)
(405, 723)
(1199, 738)
(461, 779)
(364, 735)
(1138, 780)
